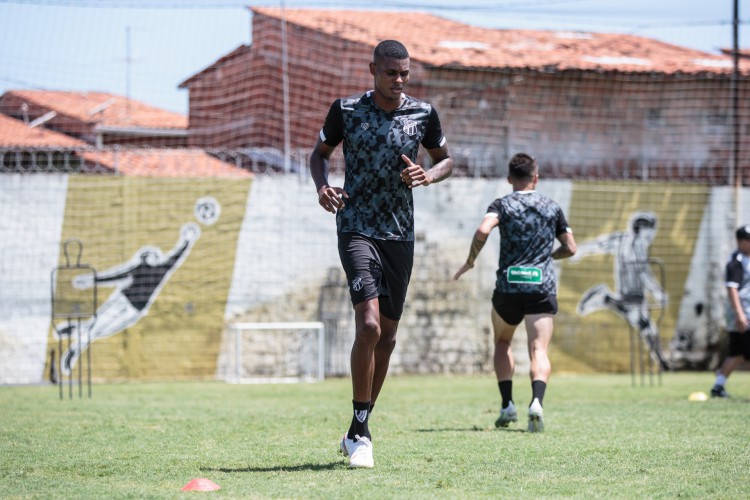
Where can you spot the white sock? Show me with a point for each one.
(721, 379)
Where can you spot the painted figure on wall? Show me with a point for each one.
(138, 283)
(634, 280)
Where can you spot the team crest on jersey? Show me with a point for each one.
(365, 126)
(410, 127)
(357, 284)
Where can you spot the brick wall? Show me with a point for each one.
(593, 124)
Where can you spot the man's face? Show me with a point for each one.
(391, 76)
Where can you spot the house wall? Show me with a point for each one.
(239, 103)
(595, 124)
(252, 261)
(591, 124)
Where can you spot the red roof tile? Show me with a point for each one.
(163, 163)
(103, 108)
(15, 133)
(437, 41)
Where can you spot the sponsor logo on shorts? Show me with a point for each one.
(357, 284)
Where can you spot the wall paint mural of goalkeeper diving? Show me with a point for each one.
(637, 291)
(137, 283)
(164, 250)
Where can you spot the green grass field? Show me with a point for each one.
(434, 437)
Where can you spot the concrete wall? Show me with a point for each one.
(269, 253)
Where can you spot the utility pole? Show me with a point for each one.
(128, 69)
(736, 109)
(285, 89)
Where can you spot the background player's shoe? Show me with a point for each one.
(536, 417)
(718, 391)
(507, 415)
(359, 451)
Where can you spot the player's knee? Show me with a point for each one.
(387, 344)
(369, 332)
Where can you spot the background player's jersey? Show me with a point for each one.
(738, 276)
(529, 224)
(380, 205)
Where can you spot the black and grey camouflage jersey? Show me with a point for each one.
(380, 205)
(529, 222)
(737, 275)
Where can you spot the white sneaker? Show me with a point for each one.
(359, 451)
(345, 443)
(536, 417)
(507, 415)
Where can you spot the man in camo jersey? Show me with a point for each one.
(737, 281)
(526, 286)
(381, 131)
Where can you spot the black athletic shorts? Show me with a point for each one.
(377, 268)
(512, 307)
(739, 344)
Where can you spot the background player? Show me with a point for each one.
(526, 286)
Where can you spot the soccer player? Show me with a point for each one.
(381, 131)
(526, 286)
(737, 281)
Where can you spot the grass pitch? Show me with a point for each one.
(434, 437)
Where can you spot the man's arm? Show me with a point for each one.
(734, 300)
(477, 243)
(330, 198)
(567, 247)
(442, 166)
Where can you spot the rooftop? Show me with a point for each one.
(101, 108)
(436, 41)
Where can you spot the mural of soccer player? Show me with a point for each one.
(634, 280)
(138, 283)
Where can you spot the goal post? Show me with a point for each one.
(277, 352)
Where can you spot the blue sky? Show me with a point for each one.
(146, 48)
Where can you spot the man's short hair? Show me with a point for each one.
(390, 49)
(522, 167)
(743, 233)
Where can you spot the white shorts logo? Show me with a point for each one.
(357, 284)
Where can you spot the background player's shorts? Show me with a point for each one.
(739, 344)
(512, 307)
(377, 268)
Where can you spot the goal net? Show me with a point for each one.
(275, 352)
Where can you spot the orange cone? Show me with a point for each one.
(201, 484)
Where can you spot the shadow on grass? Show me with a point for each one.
(279, 468)
(473, 428)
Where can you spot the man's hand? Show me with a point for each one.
(462, 270)
(332, 198)
(414, 175)
(741, 323)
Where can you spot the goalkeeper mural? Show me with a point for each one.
(138, 283)
(634, 281)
